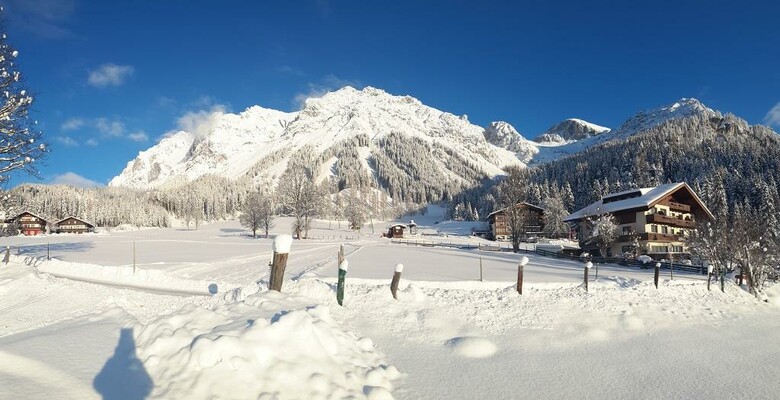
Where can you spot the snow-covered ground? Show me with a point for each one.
(85, 325)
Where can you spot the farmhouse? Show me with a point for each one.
(30, 224)
(532, 222)
(74, 225)
(657, 219)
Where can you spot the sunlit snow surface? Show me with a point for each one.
(84, 325)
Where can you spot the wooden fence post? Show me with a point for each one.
(655, 275)
(520, 268)
(480, 268)
(671, 270)
(396, 279)
(588, 266)
(281, 249)
(48, 253)
(7, 256)
(709, 275)
(343, 266)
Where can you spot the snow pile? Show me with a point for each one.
(272, 345)
(472, 347)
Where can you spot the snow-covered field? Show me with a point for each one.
(85, 324)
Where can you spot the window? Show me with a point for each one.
(659, 249)
(627, 249)
(626, 230)
(664, 229)
(677, 249)
(654, 228)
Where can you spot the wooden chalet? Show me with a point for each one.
(533, 222)
(74, 225)
(657, 219)
(31, 224)
(399, 231)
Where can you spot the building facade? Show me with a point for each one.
(652, 221)
(30, 224)
(533, 222)
(74, 225)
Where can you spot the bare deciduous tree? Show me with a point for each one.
(257, 213)
(512, 192)
(300, 197)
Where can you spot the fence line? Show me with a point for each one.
(612, 260)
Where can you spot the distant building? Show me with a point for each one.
(74, 225)
(30, 224)
(657, 219)
(399, 231)
(533, 223)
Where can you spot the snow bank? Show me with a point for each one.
(125, 276)
(272, 345)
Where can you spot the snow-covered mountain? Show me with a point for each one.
(569, 130)
(504, 135)
(368, 136)
(260, 142)
(635, 125)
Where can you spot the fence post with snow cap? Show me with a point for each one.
(396, 279)
(281, 249)
(709, 275)
(588, 266)
(657, 272)
(343, 267)
(7, 256)
(520, 267)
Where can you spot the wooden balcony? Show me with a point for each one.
(667, 220)
(650, 236)
(679, 207)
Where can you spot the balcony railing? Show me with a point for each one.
(667, 220)
(679, 207)
(650, 236)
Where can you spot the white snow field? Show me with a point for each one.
(195, 321)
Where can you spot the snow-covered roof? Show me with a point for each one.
(48, 220)
(76, 218)
(643, 198)
(524, 203)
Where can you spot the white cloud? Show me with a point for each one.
(91, 142)
(67, 141)
(74, 179)
(139, 136)
(328, 84)
(110, 75)
(114, 128)
(773, 116)
(72, 124)
(199, 123)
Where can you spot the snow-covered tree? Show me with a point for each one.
(512, 192)
(300, 197)
(20, 141)
(355, 209)
(554, 213)
(257, 213)
(603, 229)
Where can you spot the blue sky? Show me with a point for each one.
(111, 77)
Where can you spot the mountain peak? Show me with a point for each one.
(647, 119)
(569, 130)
